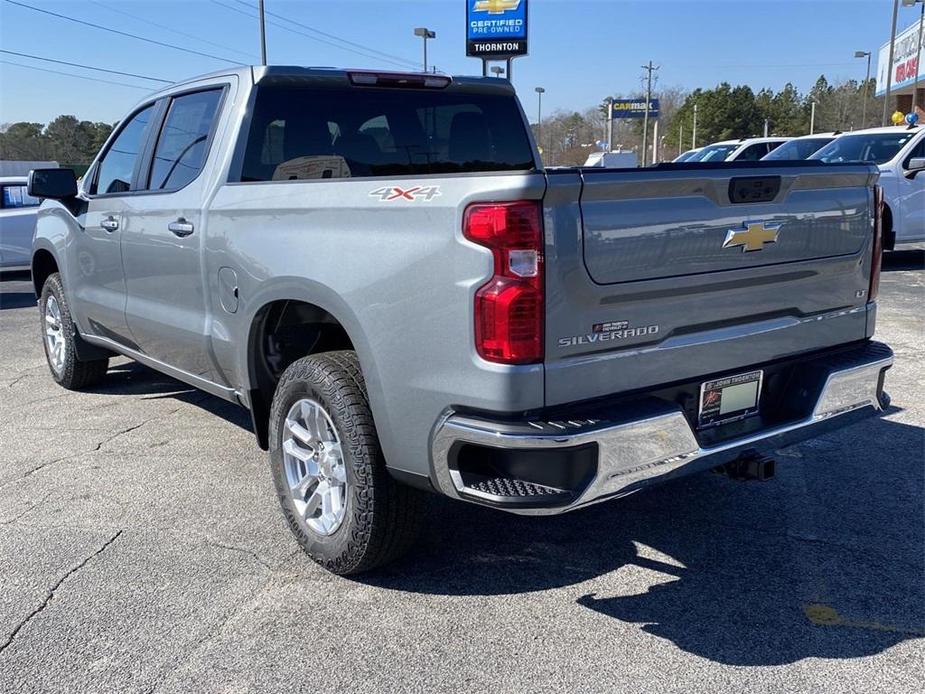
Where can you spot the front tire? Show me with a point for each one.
(340, 502)
(59, 337)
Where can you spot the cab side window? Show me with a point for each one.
(754, 152)
(917, 152)
(182, 145)
(117, 167)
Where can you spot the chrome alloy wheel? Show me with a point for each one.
(314, 463)
(55, 340)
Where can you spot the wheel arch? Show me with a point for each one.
(44, 264)
(286, 324)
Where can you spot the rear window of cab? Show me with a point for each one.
(301, 133)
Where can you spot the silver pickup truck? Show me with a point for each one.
(378, 267)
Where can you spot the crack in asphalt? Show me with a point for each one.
(94, 449)
(243, 550)
(17, 380)
(51, 593)
(29, 508)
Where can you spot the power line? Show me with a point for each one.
(122, 33)
(71, 74)
(170, 29)
(367, 49)
(86, 67)
(368, 54)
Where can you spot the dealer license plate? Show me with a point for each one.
(731, 398)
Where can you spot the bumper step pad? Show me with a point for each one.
(509, 488)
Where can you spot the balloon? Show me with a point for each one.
(912, 118)
(898, 118)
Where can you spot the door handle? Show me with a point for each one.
(110, 223)
(181, 227)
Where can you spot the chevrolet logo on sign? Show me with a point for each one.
(495, 6)
(753, 237)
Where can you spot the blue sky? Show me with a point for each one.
(581, 50)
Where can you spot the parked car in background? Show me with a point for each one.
(689, 154)
(613, 160)
(745, 149)
(800, 148)
(899, 152)
(17, 222)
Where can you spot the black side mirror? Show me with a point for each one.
(57, 184)
(916, 164)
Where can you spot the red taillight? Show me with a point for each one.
(509, 307)
(878, 245)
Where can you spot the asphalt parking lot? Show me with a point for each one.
(141, 549)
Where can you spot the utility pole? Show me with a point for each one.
(812, 117)
(610, 124)
(681, 139)
(263, 34)
(765, 127)
(694, 142)
(650, 68)
(539, 116)
(889, 66)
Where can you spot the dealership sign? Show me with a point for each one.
(907, 57)
(634, 108)
(496, 28)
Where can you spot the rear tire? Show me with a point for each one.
(59, 337)
(323, 445)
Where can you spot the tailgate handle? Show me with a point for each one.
(753, 189)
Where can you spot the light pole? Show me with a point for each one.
(865, 54)
(425, 34)
(539, 115)
(812, 117)
(889, 65)
(609, 101)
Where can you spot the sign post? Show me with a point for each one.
(496, 30)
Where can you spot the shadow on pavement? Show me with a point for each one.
(904, 260)
(827, 560)
(17, 296)
(132, 378)
(16, 300)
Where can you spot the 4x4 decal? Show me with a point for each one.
(391, 193)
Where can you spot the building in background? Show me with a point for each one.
(908, 86)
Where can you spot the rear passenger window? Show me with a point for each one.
(300, 133)
(117, 167)
(183, 141)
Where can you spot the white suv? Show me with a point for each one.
(892, 148)
(746, 149)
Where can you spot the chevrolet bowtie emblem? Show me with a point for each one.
(753, 237)
(495, 6)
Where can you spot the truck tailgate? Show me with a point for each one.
(662, 275)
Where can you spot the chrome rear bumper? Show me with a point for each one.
(649, 441)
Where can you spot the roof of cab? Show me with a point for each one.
(259, 73)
